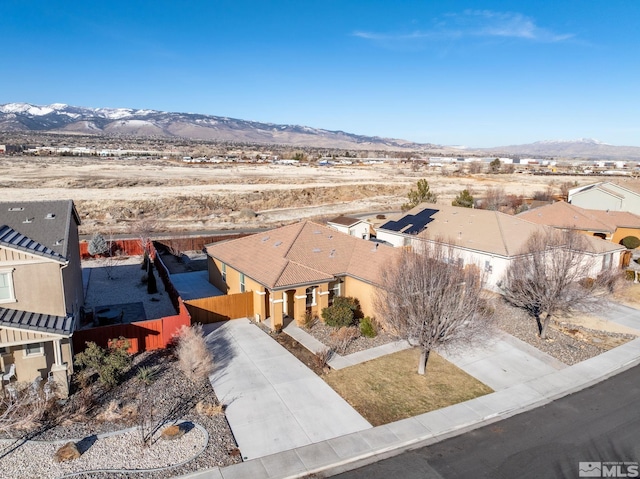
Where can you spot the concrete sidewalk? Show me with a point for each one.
(337, 361)
(274, 402)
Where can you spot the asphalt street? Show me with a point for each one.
(598, 424)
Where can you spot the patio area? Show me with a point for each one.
(123, 298)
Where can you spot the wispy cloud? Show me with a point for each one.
(472, 24)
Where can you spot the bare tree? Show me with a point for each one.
(555, 274)
(430, 299)
(494, 198)
(142, 229)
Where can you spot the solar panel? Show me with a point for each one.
(414, 224)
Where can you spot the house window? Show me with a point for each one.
(35, 349)
(335, 290)
(311, 296)
(6, 286)
(224, 272)
(4, 350)
(242, 287)
(487, 267)
(607, 260)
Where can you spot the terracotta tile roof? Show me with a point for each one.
(303, 253)
(566, 215)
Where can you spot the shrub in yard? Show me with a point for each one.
(309, 320)
(343, 312)
(194, 358)
(109, 363)
(368, 327)
(322, 357)
(630, 242)
(343, 337)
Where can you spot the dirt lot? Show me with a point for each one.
(112, 194)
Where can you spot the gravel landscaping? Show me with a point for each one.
(96, 410)
(322, 333)
(565, 342)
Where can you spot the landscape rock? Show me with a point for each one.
(68, 452)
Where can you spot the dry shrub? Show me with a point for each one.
(209, 409)
(343, 337)
(322, 357)
(23, 411)
(113, 412)
(194, 358)
(79, 408)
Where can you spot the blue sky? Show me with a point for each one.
(448, 72)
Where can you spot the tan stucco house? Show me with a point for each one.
(41, 290)
(297, 269)
(487, 239)
(610, 225)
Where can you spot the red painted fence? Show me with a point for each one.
(143, 335)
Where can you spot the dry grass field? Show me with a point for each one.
(111, 194)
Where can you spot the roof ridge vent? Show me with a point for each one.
(316, 250)
(266, 238)
(50, 216)
(16, 208)
(277, 243)
(28, 220)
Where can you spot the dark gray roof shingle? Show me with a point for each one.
(38, 227)
(38, 322)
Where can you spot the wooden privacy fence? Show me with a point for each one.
(220, 308)
(119, 247)
(143, 335)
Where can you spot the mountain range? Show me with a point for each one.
(62, 118)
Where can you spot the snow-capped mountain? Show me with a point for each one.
(59, 117)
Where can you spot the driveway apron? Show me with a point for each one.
(274, 403)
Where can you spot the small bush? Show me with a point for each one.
(368, 327)
(630, 275)
(322, 357)
(337, 316)
(110, 363)
(309, 320)
(630, 242)
(194, 358)
(342, 313)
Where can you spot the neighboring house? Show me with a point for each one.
(298, 269)
(41, 290)
(606, 196)
(488, 239)
(351, 226)
(610, 225)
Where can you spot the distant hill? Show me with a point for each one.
(63, 118)
(583, 148)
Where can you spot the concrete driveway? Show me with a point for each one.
(503, 362)
(274, 402)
